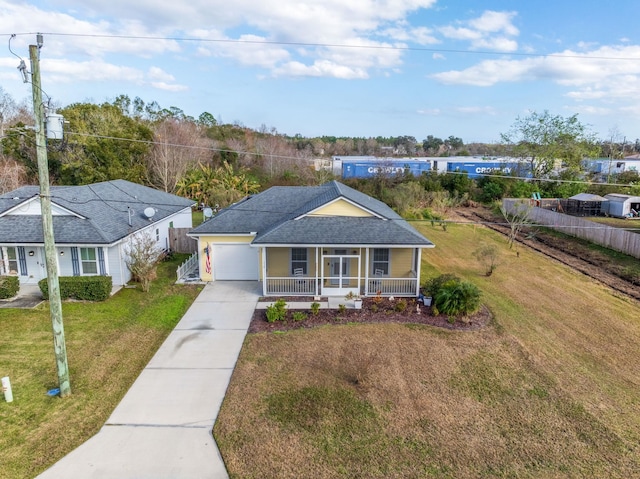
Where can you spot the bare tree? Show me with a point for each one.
(517, 216)
(12, 175)
(488, 256)
(178, 146)
(142, 259)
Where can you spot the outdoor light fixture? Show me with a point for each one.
(61, 253)
(31, 253)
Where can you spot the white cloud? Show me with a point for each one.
(438, 56)
(419, 35)
(156, 73)
(430, 111)
(492, 30)
(476, 110)
(169, 87)
(314, 22)
(65, 71)
(320, 68)
(495, 22)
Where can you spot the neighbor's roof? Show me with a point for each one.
(587, 197)
(101, 212)
(616, 197)
(277, 217)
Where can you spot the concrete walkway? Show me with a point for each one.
(162, 427)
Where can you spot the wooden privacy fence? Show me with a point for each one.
(179, 242)
(613, 238)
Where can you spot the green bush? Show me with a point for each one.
(400, 305)
(277, 311)
(84, 288)
(299, 315)
(315, 308)
(9, 286)
(452, 296)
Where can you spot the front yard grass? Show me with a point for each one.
(108, 345)
(548, 390)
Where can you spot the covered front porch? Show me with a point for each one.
(340, 270)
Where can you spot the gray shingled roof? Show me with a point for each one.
(272, 215)
(103, 207)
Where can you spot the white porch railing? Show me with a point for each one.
(189, 265)
(297, 286)
(292, 286)
(393, 286)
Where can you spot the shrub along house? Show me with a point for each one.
(92, 227)
(312, 240)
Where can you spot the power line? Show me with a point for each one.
(332, 45)
(287, 157)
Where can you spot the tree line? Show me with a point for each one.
(217, 163)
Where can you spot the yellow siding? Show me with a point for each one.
(279, 262)
(226, 239)
(340, 208)
(401, 262)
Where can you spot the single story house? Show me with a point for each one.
(313, 240)
(92, 225)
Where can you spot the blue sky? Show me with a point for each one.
(341, 67)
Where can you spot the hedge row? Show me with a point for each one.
(9, 286)
(86, 288)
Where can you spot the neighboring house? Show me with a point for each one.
(312, 240)
(92, 227)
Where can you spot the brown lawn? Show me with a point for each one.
(549, 389)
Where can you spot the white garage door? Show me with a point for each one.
(235, 262)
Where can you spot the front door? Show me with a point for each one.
(339, 267)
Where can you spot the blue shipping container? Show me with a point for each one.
(369, 169)
(481, 168)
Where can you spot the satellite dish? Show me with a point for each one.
(149, 212)
(207, 212)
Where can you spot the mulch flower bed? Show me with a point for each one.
(374, 310)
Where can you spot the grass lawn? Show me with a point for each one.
(108, 344)
(632, 225)
(549, 390)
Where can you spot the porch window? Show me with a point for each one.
(299, 260)
(380, 261)
(89, 261)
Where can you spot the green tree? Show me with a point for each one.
(216, 186)
(102, 143)
(544, 139)
(432, 144)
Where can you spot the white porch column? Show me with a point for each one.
(419, 253)
(317, 293)
(366, 274)
(264, 270)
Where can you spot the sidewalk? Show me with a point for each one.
(162, 427)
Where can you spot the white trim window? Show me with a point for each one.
(381, 261)
(299, 260)
(89, 261)
(9, 258)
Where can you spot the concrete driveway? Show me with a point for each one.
(162, 427)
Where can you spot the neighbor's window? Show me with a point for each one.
(299, 260)
(9, 260)
(380, 261)
(89, 261)
(157, 235)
